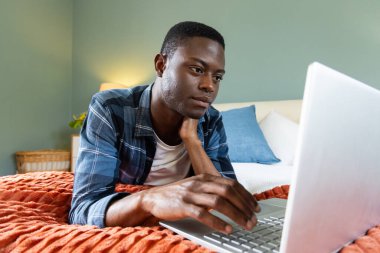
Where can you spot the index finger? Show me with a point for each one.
(243, 195)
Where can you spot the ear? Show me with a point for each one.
(160, 64)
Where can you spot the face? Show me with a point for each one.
(191, 76)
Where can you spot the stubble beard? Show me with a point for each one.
(172, 101)
(169, 97)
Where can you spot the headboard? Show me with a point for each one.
(289, 108)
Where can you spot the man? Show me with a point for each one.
(160, 135)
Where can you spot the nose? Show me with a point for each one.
(207, 84)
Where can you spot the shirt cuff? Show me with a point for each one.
(97, 211)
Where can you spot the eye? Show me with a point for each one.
(218, 78)
(197, 70)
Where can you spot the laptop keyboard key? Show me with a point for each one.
(266, 247)
(264, 237)
(217, 234)
(254, 244)
(274, 245)
(213, 238)
(270, 237)
(234, 241)
(257, 251)
(236, 248)
(226, 238)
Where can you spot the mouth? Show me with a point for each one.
(202, 101)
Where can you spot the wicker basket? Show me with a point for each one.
(43, 160)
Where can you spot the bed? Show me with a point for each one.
(34, 218)
(34, 206)
(278, 121)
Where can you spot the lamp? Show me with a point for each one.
(109, 86)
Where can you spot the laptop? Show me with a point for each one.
(335, 192)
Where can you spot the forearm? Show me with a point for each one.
(200, 162)
(127, 211)
(190, 197)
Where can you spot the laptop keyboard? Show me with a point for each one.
(264, 237)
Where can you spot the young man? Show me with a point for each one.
(160, 135)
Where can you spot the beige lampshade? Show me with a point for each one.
(109, 86)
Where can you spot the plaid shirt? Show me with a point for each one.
(117, 145)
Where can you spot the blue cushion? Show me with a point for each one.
(246, 141)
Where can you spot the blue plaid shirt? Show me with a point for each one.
(117, 145)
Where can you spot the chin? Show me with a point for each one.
(196, 115)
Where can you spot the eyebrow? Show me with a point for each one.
(205, 64)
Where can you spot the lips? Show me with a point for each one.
(202, 101)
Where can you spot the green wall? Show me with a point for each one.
(55, 53)
(269, 43)
(36, 76)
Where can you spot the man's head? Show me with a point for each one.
(182, 31)
(189, 69)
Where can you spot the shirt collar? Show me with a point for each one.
(143, 125)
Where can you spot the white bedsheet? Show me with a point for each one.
(257, 177)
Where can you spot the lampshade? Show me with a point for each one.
(109, 86)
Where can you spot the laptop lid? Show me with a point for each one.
(335, 192)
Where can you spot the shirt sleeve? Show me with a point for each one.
(217, 149)
(96, 171)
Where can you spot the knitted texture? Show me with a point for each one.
(34, 218)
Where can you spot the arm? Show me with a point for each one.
(213, 157)
(191, 197)
(200, 162)
(143, 204)
(96, 171)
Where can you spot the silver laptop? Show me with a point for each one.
(335, 190)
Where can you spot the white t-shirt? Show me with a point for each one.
(170, 164)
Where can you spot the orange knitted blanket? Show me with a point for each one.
(34, 213)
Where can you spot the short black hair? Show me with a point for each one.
(188, 29)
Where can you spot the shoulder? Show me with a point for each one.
(129, 97)
(211, 120)
(212, 115)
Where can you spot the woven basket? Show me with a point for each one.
(43, 160)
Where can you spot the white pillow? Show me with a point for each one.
(281, 134)
(256, 177)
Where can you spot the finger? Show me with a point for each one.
(246, 195)
(230, 194)
(202, 215)
(233, 192)
(221, 205)
(242, 194)
(229, 189)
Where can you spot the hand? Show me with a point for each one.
(188, 129)
(194, 196)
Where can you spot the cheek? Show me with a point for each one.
(166, 87)
(184, 85)
(171, 90)
(190, 84)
